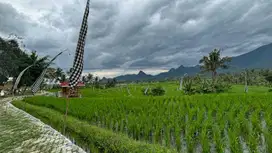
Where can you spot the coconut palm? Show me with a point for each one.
(213, 62)
(59, 74)
(89, 78)
(34, 72)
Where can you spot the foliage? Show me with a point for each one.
(62, 78)
(221, 86)
(11, 57)
(153, 91)
(157, 91)
(34, 72)
(206, 86)
(13, 60)
(96, 83)
(99, 139)
(193, 85)
(162, 120)
(3, 79)
(188, 86)
(111, 83)
(213, 62)
(59, 75)
(89, 78)
(268, 78)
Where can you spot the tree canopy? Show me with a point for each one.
(214, 61)
(13, 60)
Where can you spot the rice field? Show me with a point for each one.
(228, 122)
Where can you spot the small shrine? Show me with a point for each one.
(74, 93)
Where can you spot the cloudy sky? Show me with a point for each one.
(125, 36)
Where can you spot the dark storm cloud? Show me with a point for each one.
(11, 21)
(141, 34)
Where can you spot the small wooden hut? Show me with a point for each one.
(65, 89)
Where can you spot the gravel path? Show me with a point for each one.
(22, 133)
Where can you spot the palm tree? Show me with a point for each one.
(69, 72)
(90, 78)
(59, 74)
(212, 62)
(34, 72)
(62, 78)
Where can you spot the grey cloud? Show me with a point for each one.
(11, 21)
(151, 33)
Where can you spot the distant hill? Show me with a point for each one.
(180, 71)
(258, 58)
(171, 74)
(141, 76)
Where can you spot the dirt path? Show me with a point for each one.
(22, 133)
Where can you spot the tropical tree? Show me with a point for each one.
(13, 60)
(90, 78)
(11, 57)
(213, 61)
(35, 71)
(59, 74)
(96, 82)
(69, 72)
(268, 78)
(62, 78)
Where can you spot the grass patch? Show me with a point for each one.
(162, 120)
(103, 140)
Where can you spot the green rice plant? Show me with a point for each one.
(235, 145)
(163, 116)
(167, 135)
(233, 132)
(220, 146)
(253, 135)
(204, 140)
(189, 135)
(157, 134)
(178, 138)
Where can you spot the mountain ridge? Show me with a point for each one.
(258, 58)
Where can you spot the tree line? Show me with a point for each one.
(13, 60)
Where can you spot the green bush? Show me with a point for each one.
(269, 90)
(205, 86)
(148, 92)
(188, 86)
(221, 86)
(111, 83)
(157, 91)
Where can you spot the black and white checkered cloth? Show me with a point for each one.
(36, 85)
(78, 60)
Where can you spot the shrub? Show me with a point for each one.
(205, 86)
(157, 91)
(269, 90)
(111, 83)
(146, 91)
(221, 86)
(188, 86)
(269, 78)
